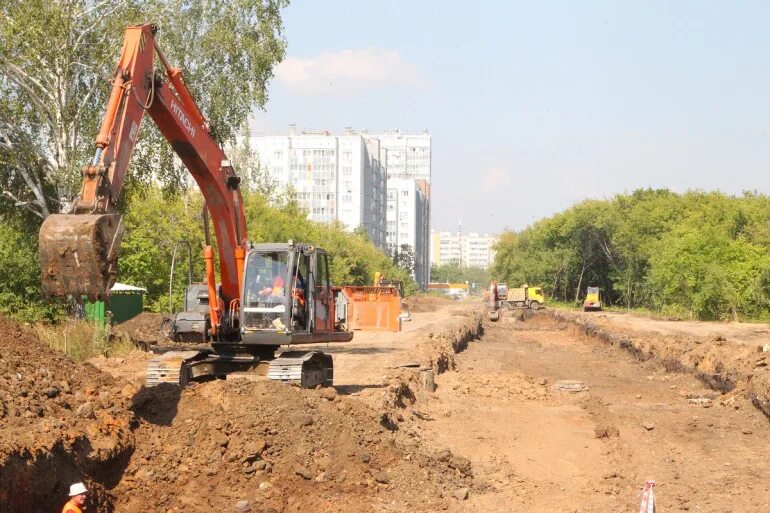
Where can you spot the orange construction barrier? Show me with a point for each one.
(373, 308)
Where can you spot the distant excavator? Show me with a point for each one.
(492, 300)
(268, 295)
(594, 301)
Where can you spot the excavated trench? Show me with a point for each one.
(722, 366)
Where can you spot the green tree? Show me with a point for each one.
(20, 291)
(453, 273)
(697, 254)
(403, 257)
(154, 222)
(245, 161)
(56, 61)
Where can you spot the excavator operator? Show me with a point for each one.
(275, 289)
(298, 299)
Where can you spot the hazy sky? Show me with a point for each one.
(534, 106)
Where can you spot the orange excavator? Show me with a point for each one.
(269, 295)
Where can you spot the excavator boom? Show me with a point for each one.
(79, 250)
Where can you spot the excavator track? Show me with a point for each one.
(167, 368)
(306, 369)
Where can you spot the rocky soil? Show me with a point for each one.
(204, 447)
(59, 420)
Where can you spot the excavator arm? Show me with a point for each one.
(79, 250)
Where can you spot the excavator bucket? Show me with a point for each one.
(79, 254)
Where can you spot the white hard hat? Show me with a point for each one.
(77, 489)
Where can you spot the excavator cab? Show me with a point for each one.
(265, 306)
(287, 297)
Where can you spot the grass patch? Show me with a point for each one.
(81, 340)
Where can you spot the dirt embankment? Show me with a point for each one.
(725, 365)
(422, 304)
(202, 448)
(281, 447)
(434, 351)
(60, 422)
(145, 329)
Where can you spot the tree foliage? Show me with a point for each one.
(56, 62)
(156, 220)
(20, 289)
(700, 255)
(403, 257)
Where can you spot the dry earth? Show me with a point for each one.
(535, 448)
(495, 436)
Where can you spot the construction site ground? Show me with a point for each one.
(551, 412)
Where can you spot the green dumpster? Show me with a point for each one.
(126, 302)
(95, 312)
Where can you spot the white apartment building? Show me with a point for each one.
(350, 177)
(405, 222)
(408, 157)
(333, 177)
(466, 250)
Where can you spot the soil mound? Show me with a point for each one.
(281, 447)
(203, 448)
(145, 329)
(422, 304)
(60, 422)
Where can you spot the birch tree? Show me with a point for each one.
(57, 58)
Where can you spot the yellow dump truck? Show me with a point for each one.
(524, 297)
(594, 300)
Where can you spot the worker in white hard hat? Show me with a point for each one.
(78, 494)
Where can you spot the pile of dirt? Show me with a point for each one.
(204, 447)
(437, 350)
(422, 304)
(60, 422)
(281, 447)
(145, 329)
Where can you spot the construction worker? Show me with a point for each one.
(78, 494)
(243, 507)
(275, 289)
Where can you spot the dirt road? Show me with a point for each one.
(535, 448)
(739, 332)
